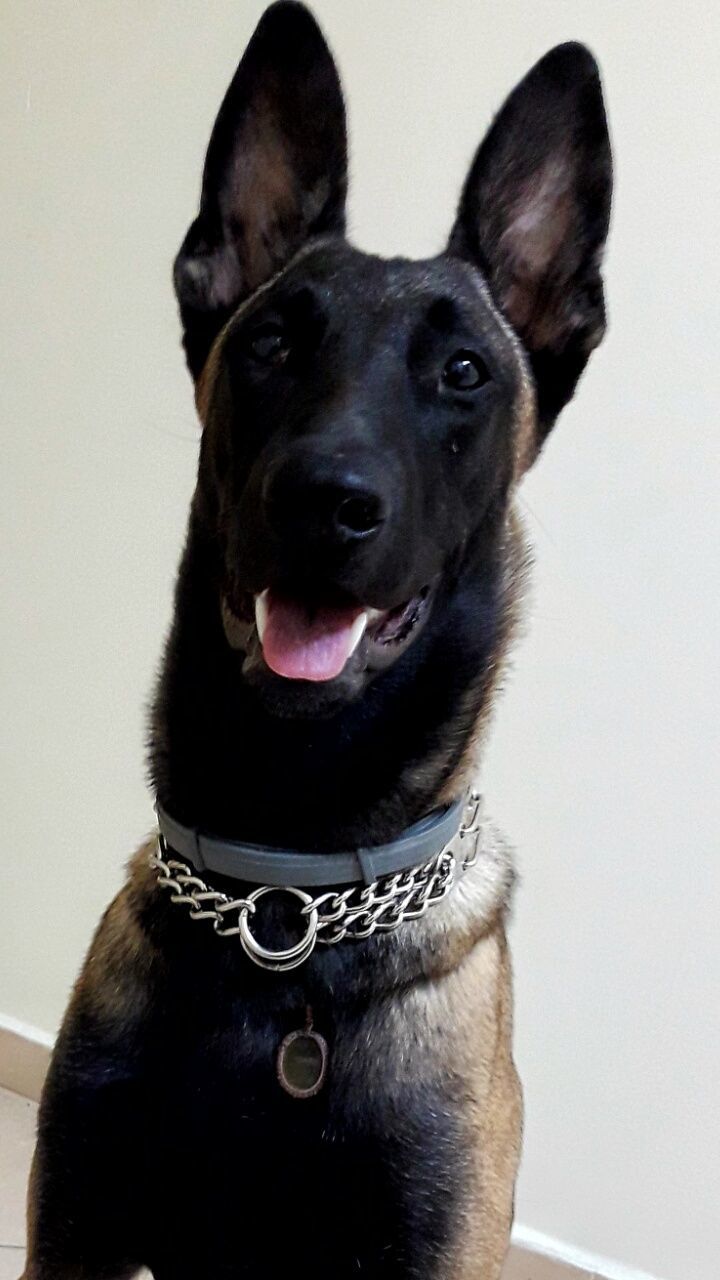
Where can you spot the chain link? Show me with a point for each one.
(354, 913)
(470, 829)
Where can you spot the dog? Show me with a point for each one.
(289, 1049)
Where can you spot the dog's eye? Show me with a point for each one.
(465, 371)
(269, 344)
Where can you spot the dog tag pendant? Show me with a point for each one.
(302, 1062)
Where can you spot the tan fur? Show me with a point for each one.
(206, 382)
(459, 1024)
(485, 695)
(470, 1013)
(114, 979)
(448, 1008)
(459, 776)
(470, 1009)
(494, 1115)
(525, 408)
(32, 1214)
(452, 1017)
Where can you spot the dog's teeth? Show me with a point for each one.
(261, 613)
(372, 615)
(358, 630)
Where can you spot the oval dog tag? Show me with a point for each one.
(302, 1063)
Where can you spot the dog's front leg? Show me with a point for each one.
(84, 1211)
(90, 1183)
(90, 1193)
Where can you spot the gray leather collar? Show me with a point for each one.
(268, 865)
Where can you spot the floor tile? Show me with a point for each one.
(522, 1265)
(17, 1140)
(11, 1262)
(519, 1266)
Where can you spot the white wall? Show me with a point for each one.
(600, 766)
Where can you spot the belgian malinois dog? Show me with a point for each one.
(289, 1050)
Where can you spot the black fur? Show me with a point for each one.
(185, 1154)
(164, 1136)
(225, 737)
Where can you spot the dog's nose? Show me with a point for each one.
(321, 499)
(357, 513)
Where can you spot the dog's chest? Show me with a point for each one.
(365, 1176)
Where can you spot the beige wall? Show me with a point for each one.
(600, 767)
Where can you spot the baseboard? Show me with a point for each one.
(562, 1261)
(24, 1057)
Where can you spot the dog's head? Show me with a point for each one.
(365, 420)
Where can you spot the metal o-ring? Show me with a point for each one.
(290, 957)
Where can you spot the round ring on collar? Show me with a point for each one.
(291, 957)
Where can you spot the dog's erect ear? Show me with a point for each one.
(534, 216)
(275, 174)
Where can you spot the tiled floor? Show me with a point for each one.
(17, 1137)
(529, 1266)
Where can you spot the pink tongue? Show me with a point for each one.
(307, 646)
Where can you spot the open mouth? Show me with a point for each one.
(316, 642)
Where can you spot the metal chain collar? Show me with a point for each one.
(330, 917)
